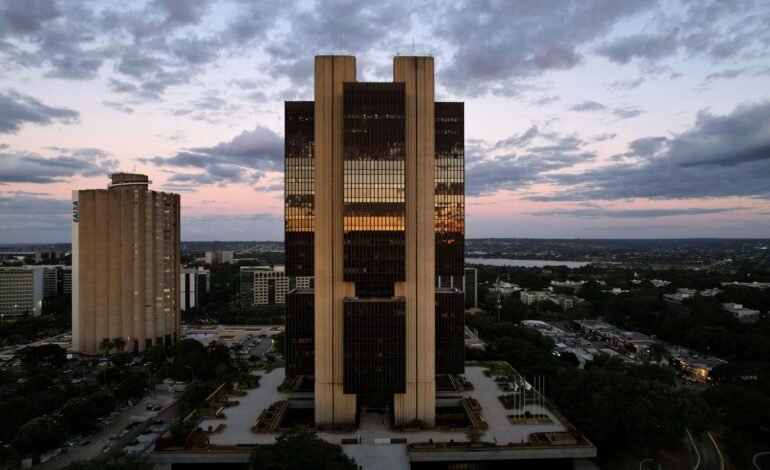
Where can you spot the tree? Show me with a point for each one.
(121, 359)
(47, 354)
(79, 414)
(105, 345)
(658, 351)
(119, 344)
(474, 436)
(122, 462)
(133, 385)
(103, 401)
(39, 435)
(300, 450)
(279, 342)
(156, 355)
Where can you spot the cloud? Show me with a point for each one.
(22, 167)
(22, 17)
(597, 212)
(644, 46)
(720, 156)
(244, 158)
(587, 106)
(33, 218)
(545, 100)
(627, 112)
(603, 137)
(725, 74)
(497, 44)
(17, 109)
(629, 84)
(117, 106)
(334, 25)
(520, 160)
(183, 11)
(712, 29)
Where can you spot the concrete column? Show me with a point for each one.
(332, 406)
(419, 400)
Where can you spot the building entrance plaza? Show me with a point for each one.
(376, 443)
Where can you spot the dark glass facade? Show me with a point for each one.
(374, 193)
(374, 354)
(300, 177)
(374, 212)
(300, 351)
(450, 189)
(450, 336)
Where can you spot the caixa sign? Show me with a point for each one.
(75, 211)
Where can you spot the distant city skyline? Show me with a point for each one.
(592, 119)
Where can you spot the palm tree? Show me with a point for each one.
(105, 345)
(119, 343)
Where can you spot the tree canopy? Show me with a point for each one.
(301, 450)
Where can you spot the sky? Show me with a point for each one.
(583, 119)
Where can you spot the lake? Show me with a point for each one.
(525, 263)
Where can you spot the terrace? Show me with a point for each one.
(496, 415)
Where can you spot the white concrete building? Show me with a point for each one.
(530, 297)
(263, 285)
(21, 292)
(193, 283)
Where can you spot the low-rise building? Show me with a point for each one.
(638, 344)
(741, 313)
(697, 366)
(219, 257)
(755, 285)
(574, 285)
(680, 295)
(21, 292)
(530, 297)
(710, 292)
(544, 328)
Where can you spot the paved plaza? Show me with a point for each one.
(374, 426)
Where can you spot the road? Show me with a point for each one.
(710, 458)
(137, 412)
(762, 461)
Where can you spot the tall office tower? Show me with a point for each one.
(374, 211)
(125, 265)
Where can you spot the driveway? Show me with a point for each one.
(710, 458)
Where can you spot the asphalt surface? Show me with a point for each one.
(762, 461)
(709, 454)
(100, 439)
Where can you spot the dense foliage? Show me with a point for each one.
(302, 450)
(122, 462)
